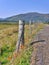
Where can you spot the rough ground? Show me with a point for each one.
(40, 55)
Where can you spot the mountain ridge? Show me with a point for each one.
(33, 16)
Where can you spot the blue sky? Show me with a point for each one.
(14, 7)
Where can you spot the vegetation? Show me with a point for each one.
(8, 39)
(33, 16)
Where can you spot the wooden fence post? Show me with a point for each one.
(30, 29)
(20, 35)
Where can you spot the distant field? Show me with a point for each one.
(8, 39)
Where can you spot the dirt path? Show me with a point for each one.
(40, 55)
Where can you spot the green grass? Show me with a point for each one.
(24, 58)
(8, 42)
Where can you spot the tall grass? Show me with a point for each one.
(8, 39)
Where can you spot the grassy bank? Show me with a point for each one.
(8, 39)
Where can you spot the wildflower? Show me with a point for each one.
(15, 55)
(22, 46)
(9, 58)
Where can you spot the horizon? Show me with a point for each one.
(10, 8)
(24, 13)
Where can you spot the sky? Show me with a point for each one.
(13, 7)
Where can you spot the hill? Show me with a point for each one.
(33, 16)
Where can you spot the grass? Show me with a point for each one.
(8, 39)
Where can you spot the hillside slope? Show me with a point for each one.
(33, 16)
(30, 16)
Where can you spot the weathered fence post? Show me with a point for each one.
(30, 29)
(20, 35)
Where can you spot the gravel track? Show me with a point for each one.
(40, 55)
